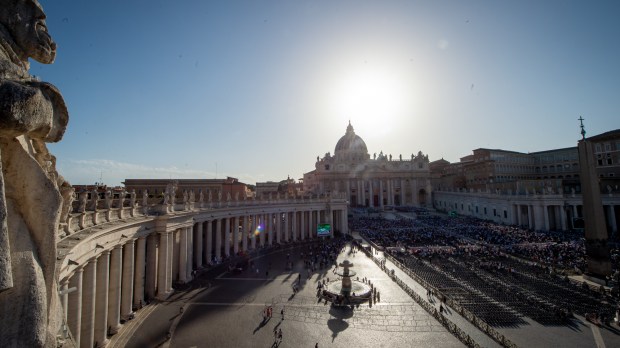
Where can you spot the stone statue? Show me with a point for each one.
(219, 195)
(145, 198)
(32, 113)
(237, 196)
(94, 199)
(192, 196)
(166, 196)
(132, 198)
(210, 197)
(82, 207)
(390, 157)
(68, 196)
(400, 156)
(185, 197)
(201, 196)
(228, 197)
(121, 198)
(108, 199)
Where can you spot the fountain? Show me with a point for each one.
(346, 291)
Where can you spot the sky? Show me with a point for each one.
(258, 89)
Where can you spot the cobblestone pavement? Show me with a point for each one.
(229, 313)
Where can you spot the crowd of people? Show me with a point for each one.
(458, 254)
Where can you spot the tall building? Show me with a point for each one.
(370, 182)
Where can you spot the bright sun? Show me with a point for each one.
(373, 99)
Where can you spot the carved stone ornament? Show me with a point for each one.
(32, 113)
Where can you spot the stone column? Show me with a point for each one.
(269, 228)
(101, 305)
(235, 232)
(253, 227)
(64, 299)
(530, 216)
(218, 239)
(183, 255)
(302, 227)
(114, 295)
(151, 266)
(381, 193)
(389, 192)
(163, 268)
(138, 289)
(286, 227)
(74, 315)
(545, 210)
(563, 218)
(198, 243)
(128, 278)
(348, 188)
(263, 224)
(612, 218)
(344, 220)
(190, 252)
(244, 234)
(294, 226)
(209, 253)
(171, 272)
(89, 286)
(371, 195)
(227, 236)
(402, 191)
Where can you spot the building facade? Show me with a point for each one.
(370, 182)
(539, 190)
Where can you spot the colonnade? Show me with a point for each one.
(388, 191)
(132, 266)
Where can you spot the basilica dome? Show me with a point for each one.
(350, 144)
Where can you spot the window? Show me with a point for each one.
(608, 147)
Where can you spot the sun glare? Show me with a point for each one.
(373, 99)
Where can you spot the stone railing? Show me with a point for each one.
(84, 215)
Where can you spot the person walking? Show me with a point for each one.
(282, 313)
(280, 335)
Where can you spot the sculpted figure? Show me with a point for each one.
(83, 197)
(145, 198)
(32, 113)
(192, 196)
(210, 196)
(94, 199)
(219, 195)
(201, 196)
(108, 199)
(132, 198)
